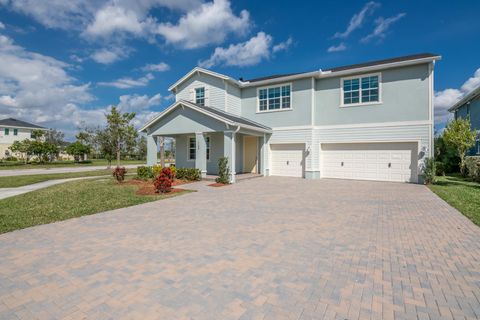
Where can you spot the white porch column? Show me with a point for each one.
(264, 155)
(229, 146)
(151, 150)
(201, 153)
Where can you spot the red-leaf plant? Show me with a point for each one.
(163, 183)
(119, 173)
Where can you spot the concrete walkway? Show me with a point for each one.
(11, 192)
(267, 248)
(23, 172)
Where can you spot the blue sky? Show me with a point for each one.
(62, 63)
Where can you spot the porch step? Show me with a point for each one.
(239, 177)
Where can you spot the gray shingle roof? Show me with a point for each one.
(10, 122)
(354, 66)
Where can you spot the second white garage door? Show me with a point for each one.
(287, 160)
(395, 161)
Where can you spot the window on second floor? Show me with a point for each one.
(15, 132)
(200, 96)
(7, 131)
(274, 98)
(361, 90)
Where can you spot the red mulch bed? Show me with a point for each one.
(146, 188)
(217, 185)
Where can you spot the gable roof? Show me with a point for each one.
(204, 71)
(475, 93)
(223, 116)
(10, 122)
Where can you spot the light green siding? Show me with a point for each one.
(405, 97)
(301, 106)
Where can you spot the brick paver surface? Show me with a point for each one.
(269, 248)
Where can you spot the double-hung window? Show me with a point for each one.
(192, 148)
(274, 98)
(200, 96)
(7, 131)
(361, 90)
(15, 132)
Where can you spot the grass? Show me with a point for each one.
(69, 200)
(460, 193)
(60, 164)
(18, 181)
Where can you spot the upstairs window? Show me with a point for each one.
(274, 98)
(200, 96)
(15, 132)
(361, 90)
(7, 131)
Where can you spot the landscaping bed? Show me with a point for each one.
(70, 200)
(146, 188)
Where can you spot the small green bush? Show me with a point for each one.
(473, 168)
(173, 169)
(11, 158)
(156, 170)
(223, 171)
(145, 172)
(429, 171)
(190, 174)
(440, 168)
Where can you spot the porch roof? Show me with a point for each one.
(226, 117)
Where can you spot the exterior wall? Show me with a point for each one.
(214, 90)
(404, 95)
(233, 99)
(301, 102)
(22, 135)
(473, 111)
(181, 152)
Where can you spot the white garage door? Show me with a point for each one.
(395, 161)
(286, 160)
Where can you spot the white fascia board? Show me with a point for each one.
(280, 79)
(205, 71)
(472, 95)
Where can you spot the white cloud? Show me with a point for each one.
(357, 19)
(247, 53)
(2, 26)
(447, 98)
(159, 67)
(140, 104)
(127, 82)
(282, 46)
(211, 23)
(382, 26)
(110, 55)
(340, 47)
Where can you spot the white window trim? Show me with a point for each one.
(193, 98)
(275, 86)
(370, 103)
(188, 148)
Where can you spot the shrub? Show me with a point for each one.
(190, 174)
(473, 167)
(119, 173)
(163, 183)
(10, 158)
(223, 171)
(156, 170)
(145, 172)
(429, 171)
(174, 171)
(440, 168)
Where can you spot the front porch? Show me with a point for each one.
(203, 135)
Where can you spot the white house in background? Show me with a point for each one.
(371, 121)
(14, 130)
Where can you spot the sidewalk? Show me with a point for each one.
(23, 172)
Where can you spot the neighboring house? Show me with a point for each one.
(469, 107)
(371, 121)
(12, 130)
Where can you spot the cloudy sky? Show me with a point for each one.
(63, 63)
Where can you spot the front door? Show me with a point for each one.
(250, 154)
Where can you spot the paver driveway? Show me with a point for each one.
(273, 248)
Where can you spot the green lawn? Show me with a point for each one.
(68, 200)
(61, 164)
(18, 181)
(461, 194)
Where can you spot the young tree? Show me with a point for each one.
(105, 145)
(21, 147)
(459, 135)
(43, 150)
(77, 150)
(120, 130)
(142, 148)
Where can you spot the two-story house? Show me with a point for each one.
(469, 107)
(12, 130)
(370, 121)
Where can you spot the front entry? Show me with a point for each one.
(250, 157)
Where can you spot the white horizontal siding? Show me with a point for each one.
(233, 100)
(214, 90)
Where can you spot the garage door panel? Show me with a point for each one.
(287, 160)
(370, 161)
